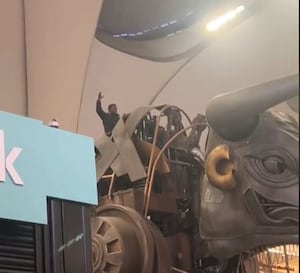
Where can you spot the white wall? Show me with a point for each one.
(12, 57)
(44, 51)
(59, 36)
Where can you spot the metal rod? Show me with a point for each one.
(154, 144)
(286, 259)
(178, 270)
(276, 267)
(269, 261)
(112, 182)
(157, 159)
(107, 176)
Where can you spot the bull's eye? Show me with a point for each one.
(274, 164)
(273, 168)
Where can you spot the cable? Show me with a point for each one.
(162, 110)
(161, 89)
(157, 159)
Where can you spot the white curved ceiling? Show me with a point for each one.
(59, 76)
(44, 53)
(12, 58)
(262, 48)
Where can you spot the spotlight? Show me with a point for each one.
(228, 16)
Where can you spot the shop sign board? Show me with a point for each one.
(36, 162)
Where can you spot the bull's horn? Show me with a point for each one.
(234, 115)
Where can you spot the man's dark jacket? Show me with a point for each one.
(109, 119)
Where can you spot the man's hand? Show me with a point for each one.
(100, 96)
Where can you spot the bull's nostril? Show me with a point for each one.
(224, 166)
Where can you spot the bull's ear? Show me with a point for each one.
(220, 168)
(234, 115)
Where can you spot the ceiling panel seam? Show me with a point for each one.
(25, 60)
(86, 72)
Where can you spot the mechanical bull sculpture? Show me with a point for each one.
(250, 195)
(166, 207)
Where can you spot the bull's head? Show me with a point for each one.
(250, 194)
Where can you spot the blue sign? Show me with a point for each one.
(37, 162)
